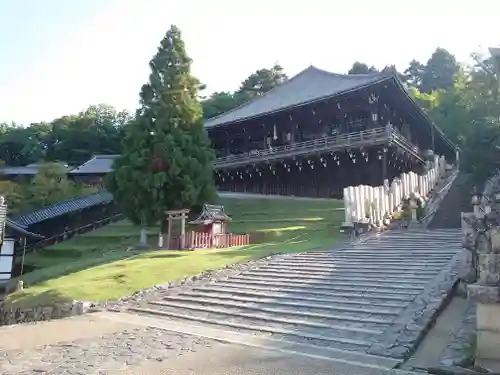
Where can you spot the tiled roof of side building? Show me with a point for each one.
(310, 85)
(97, 165)
(62, 208)
(19, 171)
(13, 227)
(28, 170)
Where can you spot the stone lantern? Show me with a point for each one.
(476, 202)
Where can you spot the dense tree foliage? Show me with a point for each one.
(257, 84)
(166, 161)
(468, 111)
(72, 139)
(49, 186)
(361, 68)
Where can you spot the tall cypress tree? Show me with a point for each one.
(167, 160)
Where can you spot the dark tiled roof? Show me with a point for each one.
(64, 207)
(28, 170)
(19, 171)
(99, 164)
(41, 164)
(15, 227)
(310, 85)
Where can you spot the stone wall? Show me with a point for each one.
(481, 237)
(14, 315)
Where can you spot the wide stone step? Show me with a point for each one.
(392, 243)
(379, 251)
(348, 326)
(375, 250)
(309, 315)
(350, 272)
(319, 287)
(422, 233)
(380, 257)
(415, 278)
(327, 277)
(345, 340)
(354, 261)
(276, 297)
(304, 306)
(361, 266)
(304, 292)
(326, 282)
(342, 328)
(418, 237)
(409, 244)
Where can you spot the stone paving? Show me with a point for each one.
(374, 297)
(458, 351)
(101, 355)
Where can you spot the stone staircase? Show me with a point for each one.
(368, 302)
(456, 201)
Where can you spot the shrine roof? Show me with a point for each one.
(310, 85)
(211, 213)
(99, 164)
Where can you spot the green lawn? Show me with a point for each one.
(97, 266)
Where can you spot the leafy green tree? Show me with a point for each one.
(217, 103)
(12, 192)
(260, 82)
(361, 68)
(51, 185)
(256, 84)
(468, 112)
(96, 130)
(21, 145)
(167, 161)
(414, 73)
(439, 72)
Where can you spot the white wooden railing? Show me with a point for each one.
(373, 204)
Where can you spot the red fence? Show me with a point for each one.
(198, 240)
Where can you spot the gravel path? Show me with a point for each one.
(106, 354)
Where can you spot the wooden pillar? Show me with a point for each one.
(227, 145)
(183, 231)
(384, 164)
(169, 231)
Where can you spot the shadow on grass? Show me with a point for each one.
(262, 250)
(66, 268)
(166, 256)
(23, 299)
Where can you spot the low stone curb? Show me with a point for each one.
(15, 315)
(408, 330)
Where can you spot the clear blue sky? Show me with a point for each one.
(59, 56)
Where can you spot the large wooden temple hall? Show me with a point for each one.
(319, 132)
